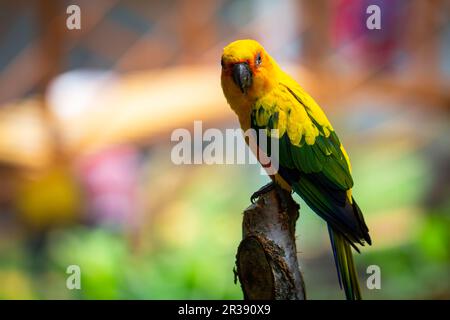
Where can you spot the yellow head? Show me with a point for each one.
(248, 72)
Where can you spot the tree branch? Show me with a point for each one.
(266, 260)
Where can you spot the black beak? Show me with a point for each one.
(242, 76)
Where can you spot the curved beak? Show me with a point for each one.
(242, 76)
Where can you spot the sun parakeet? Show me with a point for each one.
(312, 161)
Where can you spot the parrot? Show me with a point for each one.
(312, 161)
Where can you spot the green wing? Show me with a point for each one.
(319, 172)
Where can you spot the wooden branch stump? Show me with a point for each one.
(266, 260)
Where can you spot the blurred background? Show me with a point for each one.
(85, 123)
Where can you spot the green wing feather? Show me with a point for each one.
(319, 171)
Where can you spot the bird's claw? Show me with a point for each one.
(264, 189)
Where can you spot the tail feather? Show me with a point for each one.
(345, 266)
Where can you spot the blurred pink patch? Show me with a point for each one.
(110, 180)
(373, 47)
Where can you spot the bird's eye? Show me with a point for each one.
(258, 59)
(222, 63)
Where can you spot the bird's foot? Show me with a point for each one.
(264, 189)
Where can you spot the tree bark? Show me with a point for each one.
(266, 260)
